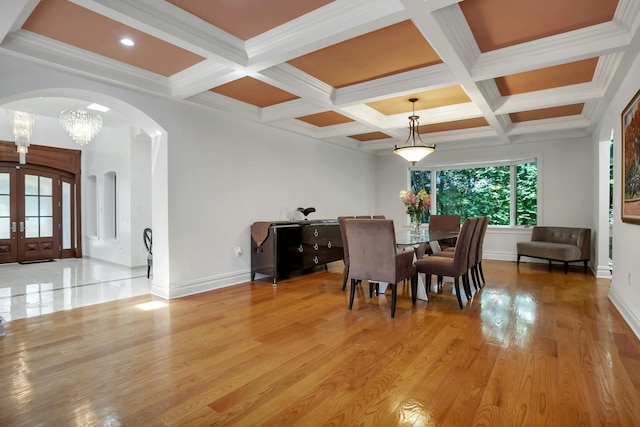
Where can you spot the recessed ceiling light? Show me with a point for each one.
(127, 42)
(98, 107)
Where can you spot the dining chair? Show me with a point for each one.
(456, 266)
(147, 237)
(484, 226)
(373, 257)
(345, 249)
(475, 254)
(445, 223)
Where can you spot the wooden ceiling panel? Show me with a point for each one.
(248, 18)
(547, 78)
(371, 136)
(327, 118)
(547, 113)
(254, 92)
(453, 125)
(430, 99)
(65, 21)
(496, 24)
(390, 50)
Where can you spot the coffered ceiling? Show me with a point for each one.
(484, 71)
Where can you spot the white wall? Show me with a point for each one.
(226, 173)
(625, 282)
(564, 173)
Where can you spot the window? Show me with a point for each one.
(505, 192)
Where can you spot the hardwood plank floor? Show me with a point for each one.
(531, 348)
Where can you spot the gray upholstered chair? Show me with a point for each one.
(345, 248)
(373, 257)
(456, 266)
(478, 267)
(445, 223)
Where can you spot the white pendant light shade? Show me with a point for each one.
(414, 153)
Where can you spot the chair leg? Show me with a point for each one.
(456, 282)
(427, 283)
(549, 265)
(346, 276)
(148, 270)
(585, 266)
(439, 283)
(394, 291)
(352, 293)
(370, 289)
(566, 267)
(466, 285)
(474, 278)
(518, 263)
(481, 272)
(414, 288)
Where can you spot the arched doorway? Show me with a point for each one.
(155, 138)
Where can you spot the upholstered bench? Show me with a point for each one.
(563, 244)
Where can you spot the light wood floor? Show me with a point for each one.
(531, 348)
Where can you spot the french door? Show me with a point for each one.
(36, 214)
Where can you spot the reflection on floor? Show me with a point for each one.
(33, 289)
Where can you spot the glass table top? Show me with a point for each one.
(425, 236)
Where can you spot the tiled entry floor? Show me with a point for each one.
(33, 289)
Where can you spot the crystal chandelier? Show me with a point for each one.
(81, 125)
(22, 129)
(414, 153)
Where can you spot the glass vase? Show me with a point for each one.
(416, 226)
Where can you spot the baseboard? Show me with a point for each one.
(191, 287)
(603, 272)
(626, 311)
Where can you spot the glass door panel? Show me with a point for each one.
(38, 206)
(39, 233)
(66, 215)
(8, 215)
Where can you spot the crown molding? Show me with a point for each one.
(554, 97)
(573, 46)
(297, 82)
(432, 77)
(201, 77)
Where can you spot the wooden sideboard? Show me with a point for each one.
(295, 246)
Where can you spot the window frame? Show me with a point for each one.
(512, 163)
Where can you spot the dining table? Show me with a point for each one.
(409, 240)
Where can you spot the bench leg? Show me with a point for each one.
(518, 263)
(549, 265)
(566, 267)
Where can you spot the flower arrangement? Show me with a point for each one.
(416, 204)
